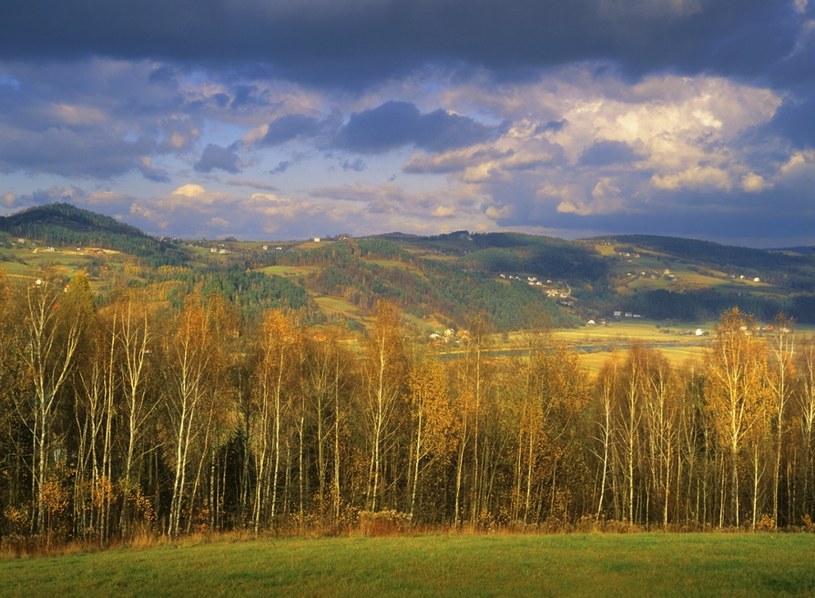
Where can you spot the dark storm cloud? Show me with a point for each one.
(553, 126)
(91, 118)
(353, 165)
(358, 42)
(290, 126)
(68, 153)
(220, 158)
(396, 124)
(151, 173)
(795, 120)
(605, 153)
(281, 167)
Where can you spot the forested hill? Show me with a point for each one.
(511, 280)
(65, 216)
(686, 280)
(497, 253)
(65, 224)
(707, 252)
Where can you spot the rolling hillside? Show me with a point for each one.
(61, 224)
(508, 280)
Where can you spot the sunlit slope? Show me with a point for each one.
(510, 281)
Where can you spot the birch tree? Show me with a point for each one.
(134, 341)
(805, 402)
(434, 424)
(15, 390)
(662, 412)
(189, 352)
(385, 372)
(607, 382)
(780, 375)
(93, 411)
(53, 336)
(278, 348)
(733, 392)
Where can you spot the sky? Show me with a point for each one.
(289, 119)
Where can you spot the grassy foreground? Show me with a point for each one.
(646, 564)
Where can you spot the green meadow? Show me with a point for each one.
(584, 564)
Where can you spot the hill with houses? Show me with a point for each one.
(509, 280)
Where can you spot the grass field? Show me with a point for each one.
(290, 270)
(589, 564)
(596, 344)
(341, 307)
(678, 357)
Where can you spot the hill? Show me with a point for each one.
(706, 252)
(65, 224)
(508, 280)
(684, 279)
(496, 253)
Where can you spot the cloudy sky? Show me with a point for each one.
(289, 119)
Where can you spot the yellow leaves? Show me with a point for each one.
(16, 517)
(144, 507)
(78, 306)
(735, 388)
(279, 329)
(54, 498)
(388, 320)
(388, 325)
(279, 347)
(103, 492)
(557, 378)
(386, 363)
(431, 400)
(222, 316)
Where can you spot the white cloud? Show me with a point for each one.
(155, 217)
(671, 133)
(675, 123)
(798, 161)
(444, 211)
(753, 183)
(605, 189)
(696, 178)
(569, 207)
(798, 174)
(191, 190)
(567, 193)
(481, 173)
(650, 143)
(606, 198)
(500, 213)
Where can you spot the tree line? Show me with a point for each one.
(137, 417)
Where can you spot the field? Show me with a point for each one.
(654, 564)
(596, 344)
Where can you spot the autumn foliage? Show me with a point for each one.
(126, 418)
